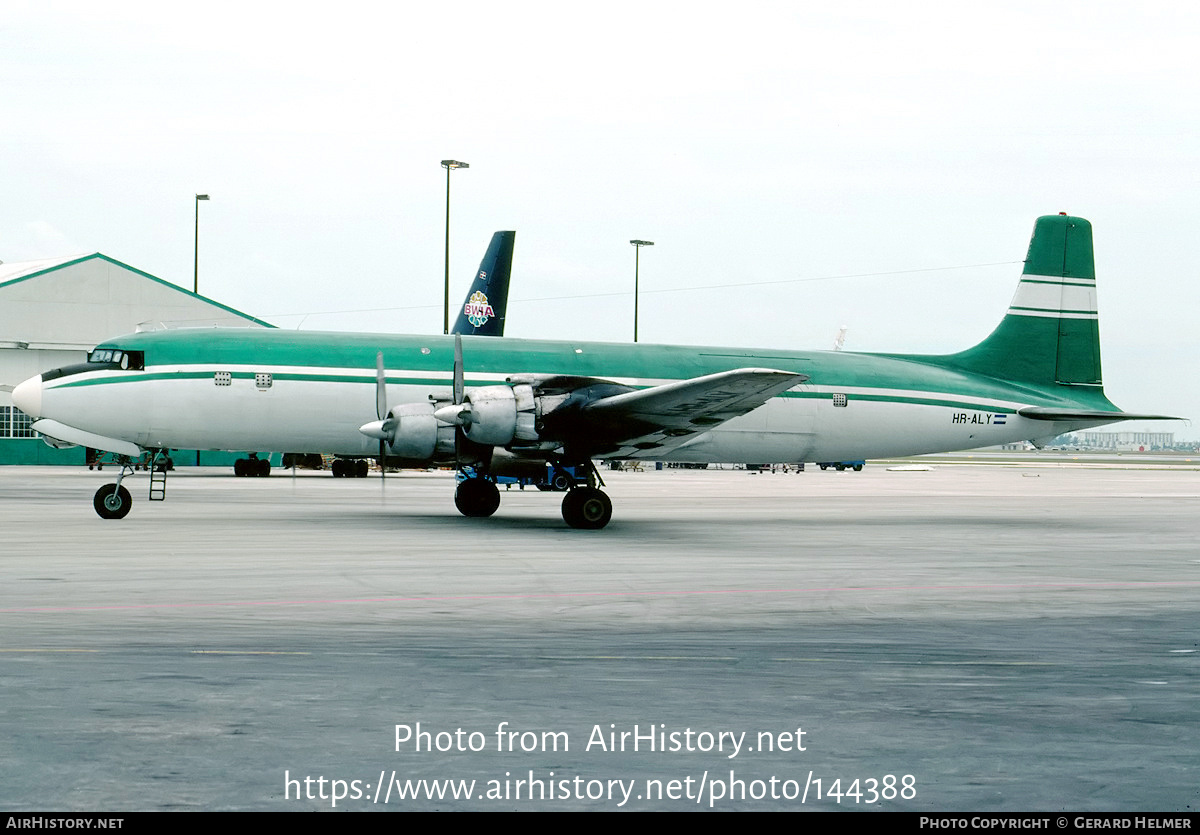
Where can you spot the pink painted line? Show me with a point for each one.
(595, 594)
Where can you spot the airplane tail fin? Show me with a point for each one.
(1051, 333)
(482, 314)
(1050, 336)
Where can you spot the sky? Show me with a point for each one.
(801, 167)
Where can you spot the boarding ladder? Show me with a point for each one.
(158, 478)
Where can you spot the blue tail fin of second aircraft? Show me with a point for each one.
(482, 314)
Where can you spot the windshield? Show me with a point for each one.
(116, 357)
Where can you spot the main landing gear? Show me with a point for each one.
(477, 497)
(347, 468)
(585, 507)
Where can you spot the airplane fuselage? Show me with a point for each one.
(310, 392)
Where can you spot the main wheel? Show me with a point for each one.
(586, 508)
(262, 467)
(112, 502)
(477, 497)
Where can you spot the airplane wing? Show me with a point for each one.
(646, 422)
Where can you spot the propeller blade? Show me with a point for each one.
(380, 388)
(458, 395)
(458, 369)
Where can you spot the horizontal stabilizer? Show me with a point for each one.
(71, 435)
(1048, 413)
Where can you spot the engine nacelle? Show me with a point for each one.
(498, 415)
(416, 433)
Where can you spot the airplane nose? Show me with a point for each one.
(28, 397)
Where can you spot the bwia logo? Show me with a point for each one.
(477, 310)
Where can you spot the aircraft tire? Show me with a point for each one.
(360, 468)
(239, 467)
(262, 468)
(587, 508)
(477, 498)
(110, 505)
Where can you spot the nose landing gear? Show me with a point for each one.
(112, 501)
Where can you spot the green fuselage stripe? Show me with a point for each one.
(428, 361)
(136, 377)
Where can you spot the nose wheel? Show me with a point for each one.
(112, 501)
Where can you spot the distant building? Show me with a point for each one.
(1128, 441)
(52, 312)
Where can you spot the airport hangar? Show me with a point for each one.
(53, 311)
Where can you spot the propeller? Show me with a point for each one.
(458, 395)
(385, 427)
(457, 413)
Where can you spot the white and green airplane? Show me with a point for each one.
(507, 406)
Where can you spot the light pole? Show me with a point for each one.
(637, 251)
(196, 268)
(196, 251)
(449, 165)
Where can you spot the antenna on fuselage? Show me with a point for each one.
(840, 340)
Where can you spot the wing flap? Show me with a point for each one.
(701, 401)
(646, 422)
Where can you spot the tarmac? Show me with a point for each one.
(962, 638)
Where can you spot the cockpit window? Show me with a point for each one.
(114, 357)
